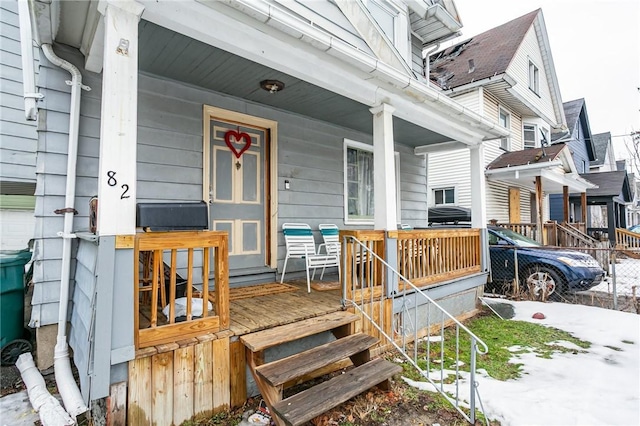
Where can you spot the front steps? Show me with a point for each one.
(304, 406)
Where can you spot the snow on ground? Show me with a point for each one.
(598, 387)
(627, 276)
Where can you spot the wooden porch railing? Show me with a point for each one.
(425, 257)
(151, 326)
(363, 275)
(554, 233)
(627, 240)
(429, 256)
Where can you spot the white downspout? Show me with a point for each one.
(26, 52)
(48, 408)
(71, 396)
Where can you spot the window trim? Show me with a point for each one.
(444, 188)
(349, 143)
(534, 77)
(536, 139)
(505, 142)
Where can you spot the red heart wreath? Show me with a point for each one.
(239, 136)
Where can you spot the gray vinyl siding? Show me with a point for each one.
(17, 135)
(82, 321)
(169, 158)
(51, 173)
(416, 57)
(578, 148)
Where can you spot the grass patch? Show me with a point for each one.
(499, 335)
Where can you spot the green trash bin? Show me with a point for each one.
(12, 265)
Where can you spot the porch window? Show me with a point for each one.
(530, 131)
(443, 196)
(358, 175)
(504, 119)
(534, 78)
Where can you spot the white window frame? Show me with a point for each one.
(444, 198)
(505, 143)
(536, 138)
(534, 77)
(348, 143)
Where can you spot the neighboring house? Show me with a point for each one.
(605, 156)
(580, 142)
(612, 195)
(18, 140)
(507, 75)
(633, 209)
(269, 111)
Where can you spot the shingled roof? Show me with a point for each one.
(527, 156)
(610, 184)
(491, 52)
(601, 142)
(572, 111)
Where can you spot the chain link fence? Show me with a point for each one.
(602, 277)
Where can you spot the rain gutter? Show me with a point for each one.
(384, 74)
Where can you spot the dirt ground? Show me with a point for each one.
(401, 406)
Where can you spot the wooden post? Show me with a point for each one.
(583, 208)
(540, 212)
(565, 204)
(514, 205)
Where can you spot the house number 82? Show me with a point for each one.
(111, 181)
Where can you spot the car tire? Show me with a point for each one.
(543, 283)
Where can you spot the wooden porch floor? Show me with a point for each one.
(261, 312)
(262, 306)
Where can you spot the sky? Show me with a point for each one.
(599, 387)
(595, 46)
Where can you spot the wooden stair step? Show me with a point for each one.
(283, 370)
(304, 406)
(264, 339)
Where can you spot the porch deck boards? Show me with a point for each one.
(258, 312)
(262, 312)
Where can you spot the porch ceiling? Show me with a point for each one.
(175, 56)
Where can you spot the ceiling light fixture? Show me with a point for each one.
(272, 86)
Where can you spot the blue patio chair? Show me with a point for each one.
(301, 245)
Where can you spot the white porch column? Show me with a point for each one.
(478, 188)
(119, 121)
(384, 180)
(479, 202)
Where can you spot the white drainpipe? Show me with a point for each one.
(71, 396)
(26, 51)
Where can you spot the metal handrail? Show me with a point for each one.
(410, 290)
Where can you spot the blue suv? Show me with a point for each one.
(542, 270)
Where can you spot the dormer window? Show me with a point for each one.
(534, 78)
(393, 23)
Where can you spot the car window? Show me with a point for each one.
(518, 239)
(493, 239)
